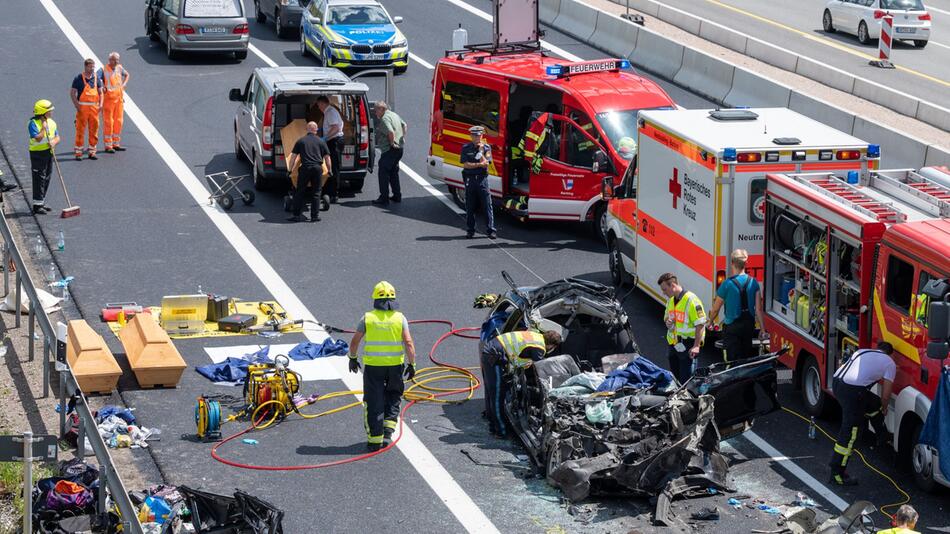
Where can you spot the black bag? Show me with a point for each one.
(242, 514)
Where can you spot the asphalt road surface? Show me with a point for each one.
(796, 26)
(145, 231)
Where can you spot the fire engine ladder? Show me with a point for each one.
(915, 189)
(842, 192)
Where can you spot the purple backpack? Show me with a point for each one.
(68, 495)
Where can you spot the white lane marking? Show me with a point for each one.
(444, 198)
(257, 52)
(932, 8)
(939, 44)
(445, 487)
(485, 16)
(794, 469)
(420, 61)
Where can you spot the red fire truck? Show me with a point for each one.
(587, 111)
(847, 259)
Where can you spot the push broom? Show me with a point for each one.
(69, 210)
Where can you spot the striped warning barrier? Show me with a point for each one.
(884, 43)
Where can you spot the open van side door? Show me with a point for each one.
(389, 96)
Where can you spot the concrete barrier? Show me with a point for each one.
(657, 54)
(718, 33)
(576, 19)
(934, 114)
(615, 35)
(771, 54)
(705, 74)
(820, 72)
(897, 149)
(648, 7)
(937, 156)
(750, 89)
(887, 97)
(547, 10)
(679, 18)
(821, 111)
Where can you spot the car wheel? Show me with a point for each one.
(324, 56)
(169, 51)
(920, 459)
(599, 222)
(238, 151)
(615, 262)
(863, 36)
(402, 70)
(303, 44)
(813, 394)
(553, 462)
(919, 43)
(240, 56)
(279, 25)
(257, 176)
(458, 195)
(258, 14)
(826, 23)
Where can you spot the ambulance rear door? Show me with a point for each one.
(676, 223)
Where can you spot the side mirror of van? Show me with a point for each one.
(938, 329)
(601, 162)
(607, 188)
(397, 19)
(235, 95)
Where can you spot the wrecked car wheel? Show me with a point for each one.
(615, 263)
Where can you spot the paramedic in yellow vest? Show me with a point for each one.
(519, 349)
(905, 521)
(44, 136)
(113, 78)
(386, 346)
(86, 94)
(685, 326)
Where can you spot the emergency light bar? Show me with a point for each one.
(584, 67)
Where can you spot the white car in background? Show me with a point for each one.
(864, 18)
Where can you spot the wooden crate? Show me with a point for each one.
(151, 353)
(90, 359)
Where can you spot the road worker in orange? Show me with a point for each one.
(113, 77)
(86, 95)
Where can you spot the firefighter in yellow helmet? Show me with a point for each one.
(387, 345)
(44, 136)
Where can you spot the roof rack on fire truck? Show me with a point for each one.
(835, 187)
(915, 189)
(497, 50)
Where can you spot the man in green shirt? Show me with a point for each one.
(390, 133)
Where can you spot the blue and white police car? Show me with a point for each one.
(353, 33)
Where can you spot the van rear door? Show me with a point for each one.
(367, 146)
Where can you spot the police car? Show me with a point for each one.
(353, 33)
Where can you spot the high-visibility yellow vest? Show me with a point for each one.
(382, 345)
(686, 315)
(515, 342)
(898, 530)
(921, 303)
(51, 132)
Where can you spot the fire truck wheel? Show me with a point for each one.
(599, 221)
(920, 458)
(458, 195)
(616, 263)
(813, 395)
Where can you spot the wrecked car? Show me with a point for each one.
(598, 418)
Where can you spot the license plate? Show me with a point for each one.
(347, 160)
(905, 30)
(212, 29)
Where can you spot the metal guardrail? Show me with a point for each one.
(68, 387)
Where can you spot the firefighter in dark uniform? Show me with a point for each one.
(476, 159)
(518, 349)
(852, 385)
(387, 346)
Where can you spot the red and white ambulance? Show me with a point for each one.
(848, 258)
(589, 111)
(698, 190)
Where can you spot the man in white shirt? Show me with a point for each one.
(333, 135)
(852, 385)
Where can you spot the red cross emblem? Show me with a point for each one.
(675, 188)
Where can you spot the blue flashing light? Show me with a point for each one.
(729, 154)
(624, 64)
(874, 151)
(554, 70)
(853, 177)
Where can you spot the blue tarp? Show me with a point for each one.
(312, 351)
(936, 431)
(233, 369)
(640, 373)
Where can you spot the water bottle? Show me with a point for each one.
(51, 272)
(65, 293)
(811, 428)
(61, 244)
(38, 246)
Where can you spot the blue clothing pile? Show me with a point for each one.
(122, 413)
(641, 373)
(235, 369)
(312, 351)
(936, 431)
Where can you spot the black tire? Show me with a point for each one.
(402, 70)
(247, 197)
(324, 56)
(260, 182)
(615, 262)
(458, 195)
(170, 52)
(240, 56)
(826, 23)
(260, 16)
(226, 202)
(920, 44)
(238, 151)
(924, 481)
(814, 396)
(552, 461)
(863, 36)
(279, 27)
(288, 202)
(304, 50)
(599, 222)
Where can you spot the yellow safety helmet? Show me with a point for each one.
(42, 107)
(384, 290)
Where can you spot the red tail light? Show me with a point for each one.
(268, 127)
(878, 14)
(749, 157)
(184, 29)
(364, 127)
(241, 29)
(847, 154)
(925, 16)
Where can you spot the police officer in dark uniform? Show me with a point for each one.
(476, 159)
